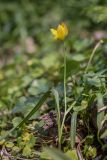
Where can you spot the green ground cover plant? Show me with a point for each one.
(53, 88)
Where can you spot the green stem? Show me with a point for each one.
(65, 68)
(62, 126)
(98, 138)
(63, 121)
(59, 131)
(92, 55)
(65, 100)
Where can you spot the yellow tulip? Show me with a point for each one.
(60, 32)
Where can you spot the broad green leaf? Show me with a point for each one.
(44, 156)
(72, 154)
(26, 151)
(16, 121)
(72, 67)
(25, 105)
(9, 144)
(38, 86)
(50, 61)
(32, 141)
(56, 154)
(78, 57)
(15, 149)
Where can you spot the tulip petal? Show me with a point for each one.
(54, 32)
(60, 32)
(65, 28)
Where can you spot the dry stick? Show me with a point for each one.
(80, 156)
(102, 109)
(92, 55)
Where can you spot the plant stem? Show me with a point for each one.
(65, 114)
(59, 131)
(98, 138)
(65, 101)
(62, 126)
(92, 55)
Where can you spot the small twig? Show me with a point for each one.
(79, 151)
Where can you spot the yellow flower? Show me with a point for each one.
(60, 32)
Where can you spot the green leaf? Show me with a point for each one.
(56, 154)
(26, 151)
(16, 121)
(9, 144)
(100, 115)
(25, 105)
(104, 134)
(43, 156)
(56, 95)
(83, 106)
(91, 152)
(38, 86)
(15, 150)
(32, 141)
(38, 105)
(72, 67)
(72, 154)
(78, 57)
(73, 129)
(50, 61)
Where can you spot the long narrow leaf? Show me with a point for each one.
(38, 105)
(73, 129)
(100, 115)
(56, 95)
